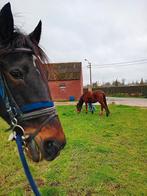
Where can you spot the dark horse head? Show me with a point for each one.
(80, 104)
(25, 100)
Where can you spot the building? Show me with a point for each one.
(65, 80)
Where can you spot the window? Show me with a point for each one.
(62, 86)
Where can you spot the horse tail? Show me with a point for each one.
(107, 109)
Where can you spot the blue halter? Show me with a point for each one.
(2, 92)
(36, 106)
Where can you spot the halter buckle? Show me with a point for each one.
(18, 130)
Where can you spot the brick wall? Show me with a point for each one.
(62, 90)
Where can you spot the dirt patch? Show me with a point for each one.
(55, 184)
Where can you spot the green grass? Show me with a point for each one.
(103, 156)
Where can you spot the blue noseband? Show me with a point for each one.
(36, 106)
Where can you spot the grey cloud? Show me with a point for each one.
(101, 31)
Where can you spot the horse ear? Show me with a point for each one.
(36, 34)
(6, 23)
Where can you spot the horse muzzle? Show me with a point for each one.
(47, 150)
(51, 149)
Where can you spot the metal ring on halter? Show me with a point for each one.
(16, 130)
(19, 130)
(14, 122)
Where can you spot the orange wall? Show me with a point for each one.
(62, 90)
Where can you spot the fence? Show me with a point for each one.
(134, 91)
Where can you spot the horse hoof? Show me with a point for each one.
(107, 114)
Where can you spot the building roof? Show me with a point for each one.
(64, 71)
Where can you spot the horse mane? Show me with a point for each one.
(21, 40)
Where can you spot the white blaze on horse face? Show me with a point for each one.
(34, 63)
(34, 60)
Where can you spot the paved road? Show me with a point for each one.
(141, 102)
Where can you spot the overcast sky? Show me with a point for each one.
(102, 31)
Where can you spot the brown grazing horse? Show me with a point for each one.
(90, 97)
(25, 100)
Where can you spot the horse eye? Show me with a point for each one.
(17, 74)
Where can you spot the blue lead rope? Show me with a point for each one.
(25, 165)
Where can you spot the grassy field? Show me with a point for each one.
(103, 156)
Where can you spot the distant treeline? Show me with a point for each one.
(133, 91)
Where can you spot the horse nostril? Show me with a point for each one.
(51, 149)
(62, 145)
(49, 144)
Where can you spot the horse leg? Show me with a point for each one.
(101, 112)
(103, 106)
(106, 106)
(91, 107)
(86, 105)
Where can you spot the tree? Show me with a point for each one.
(116, 83)
(141, 81)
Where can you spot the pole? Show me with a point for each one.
(90, 86)
(90, 75)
